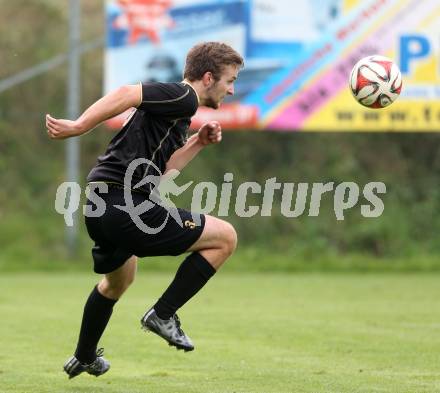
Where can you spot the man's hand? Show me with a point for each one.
(61, 128)
(210, 133)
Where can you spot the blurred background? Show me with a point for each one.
(292, 118)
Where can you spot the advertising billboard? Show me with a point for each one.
(298, 58)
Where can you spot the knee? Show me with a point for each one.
(114, 289)
(114, 286)
(229, 239)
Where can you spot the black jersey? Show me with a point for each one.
(156, 129)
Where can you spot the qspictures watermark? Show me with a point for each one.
(228, 198)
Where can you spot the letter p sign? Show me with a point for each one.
(412, 47)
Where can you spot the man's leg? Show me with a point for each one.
(217, 242)
(97, 312)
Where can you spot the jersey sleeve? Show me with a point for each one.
(169, 100)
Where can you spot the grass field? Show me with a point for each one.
(253, 333)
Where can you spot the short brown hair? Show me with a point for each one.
(212, 57)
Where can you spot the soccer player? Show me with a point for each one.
(155, 131)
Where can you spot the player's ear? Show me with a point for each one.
(207, 79)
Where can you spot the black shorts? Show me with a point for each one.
(158, 231)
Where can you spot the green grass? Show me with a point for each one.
(257, 259)
(269, 332)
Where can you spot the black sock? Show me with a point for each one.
(97, 312)
(192, 275)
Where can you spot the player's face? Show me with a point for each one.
(223, 87)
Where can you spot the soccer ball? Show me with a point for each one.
(375, 81)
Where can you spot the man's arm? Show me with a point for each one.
(209, 133)
(112, 104)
